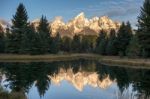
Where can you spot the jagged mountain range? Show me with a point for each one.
(81, 25)
(80, 79)
(78, 25)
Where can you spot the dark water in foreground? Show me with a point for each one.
(74, 80)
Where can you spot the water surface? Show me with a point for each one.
(80, 79)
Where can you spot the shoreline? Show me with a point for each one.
(108, 60)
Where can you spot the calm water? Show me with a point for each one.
(74, 80)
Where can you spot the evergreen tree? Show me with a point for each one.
(133, 49)
(111, 45)
(86, 45)
(124, 36)
(44, 34)
(33, 40)
(19, 27)
(129, 30)
(66, 44)
(76, 44)
(101, 43)
(2, 42)
(8, 41)
(56, 44)
(144, 29)
(36, 45)
(26, 41)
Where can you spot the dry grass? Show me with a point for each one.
(14, 95)
(51, 57)
(127, 62)
(111, 60)
(4, 94)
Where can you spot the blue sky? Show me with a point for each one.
(121, 10)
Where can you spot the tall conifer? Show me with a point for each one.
(111, 48)
(19, 26)
(144, 29)
(124, 36)
(2, 42)
(101, 43)
(44, 36)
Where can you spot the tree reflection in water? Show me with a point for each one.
(22, 76)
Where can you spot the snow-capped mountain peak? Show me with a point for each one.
(81, 15)
(82, 25)
(78, 25)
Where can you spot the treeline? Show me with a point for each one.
(23, 38)
(116, 43)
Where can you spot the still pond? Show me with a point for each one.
(81, 79)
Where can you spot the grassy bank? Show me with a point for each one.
(111, 60)
(51, 57)
(126, 62)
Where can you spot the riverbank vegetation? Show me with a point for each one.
(109, 60)
(4, 94)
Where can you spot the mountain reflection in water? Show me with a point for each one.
(80, 79)
(87, 77)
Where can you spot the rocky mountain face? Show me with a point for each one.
(78, 25)
(81, 25)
